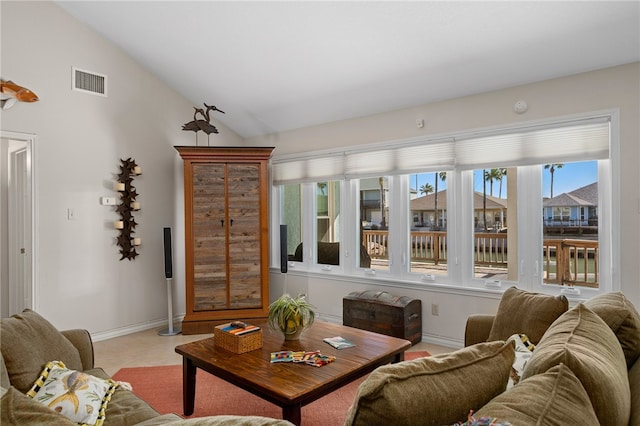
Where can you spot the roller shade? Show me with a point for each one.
(329, 166)
(397, 158)
(402, 159)
(563, 141)
(574, 141)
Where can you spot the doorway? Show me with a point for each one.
(17, 219)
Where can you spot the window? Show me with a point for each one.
(471, 210)
(328, 222)
(491, 232)
(571, 243)
(291, 213)
(374, 222)
(428, 223)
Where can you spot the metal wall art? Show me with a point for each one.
(128, 204)
(198, 124)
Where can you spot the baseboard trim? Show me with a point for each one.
(134, 328)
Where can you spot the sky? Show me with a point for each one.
(569, 177)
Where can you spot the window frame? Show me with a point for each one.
(460, 265)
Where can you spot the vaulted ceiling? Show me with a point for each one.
(274, 66)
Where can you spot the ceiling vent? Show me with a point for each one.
(89, 82)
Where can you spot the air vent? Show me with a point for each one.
(89, 82)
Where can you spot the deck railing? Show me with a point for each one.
(569, 262)
(576, 262)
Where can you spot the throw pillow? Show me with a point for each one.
(482, 421)
(623, 319)
(586, 345)
(441, 389)
(528, 313)
(524, 349)
(555, 397)
(17, 408)
(79, 397)
(28, 342)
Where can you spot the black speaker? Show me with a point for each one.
(284, 259)
(168, 264)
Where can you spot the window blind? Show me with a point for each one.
(574, 141)
(374, 160)
(571, 140)
(329, 166)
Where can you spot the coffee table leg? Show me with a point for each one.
(188, 386)
(398, 358)
(293, 413)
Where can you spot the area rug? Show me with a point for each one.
(161, 387)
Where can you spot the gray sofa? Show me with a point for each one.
(29, 342)
(584, 370)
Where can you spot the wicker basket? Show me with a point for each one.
(238, 344)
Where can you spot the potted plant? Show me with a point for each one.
(291, 315)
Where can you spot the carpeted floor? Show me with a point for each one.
(161, 387)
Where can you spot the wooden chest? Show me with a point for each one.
(383, 313)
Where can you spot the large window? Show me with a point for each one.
(530, 205)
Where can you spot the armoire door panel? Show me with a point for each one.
(243, 192)
(209, 237)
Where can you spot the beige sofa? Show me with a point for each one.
(584, 369)
(29, 342)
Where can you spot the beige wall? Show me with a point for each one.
(80, 141)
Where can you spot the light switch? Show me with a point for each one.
(108, 201)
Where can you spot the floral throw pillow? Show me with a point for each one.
(524, 351)
(80, 397)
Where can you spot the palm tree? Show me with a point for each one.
(503, 173)
(439, 176)
(552, 168)
(491, 175)
(426, 189)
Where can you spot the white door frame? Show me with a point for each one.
(22, 244)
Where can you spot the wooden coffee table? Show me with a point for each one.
(290, 385)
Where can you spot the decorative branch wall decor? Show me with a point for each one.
(128, 204)
(199, 124)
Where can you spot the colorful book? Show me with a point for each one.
(339, 342)
(240, 330)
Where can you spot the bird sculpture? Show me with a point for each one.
(203, 123)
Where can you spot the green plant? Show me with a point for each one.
(291, 314)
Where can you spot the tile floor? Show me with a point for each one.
(147, 348)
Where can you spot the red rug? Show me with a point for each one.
(161, 387)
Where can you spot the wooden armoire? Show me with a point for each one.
(226, 235)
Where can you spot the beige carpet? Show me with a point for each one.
(161, 387)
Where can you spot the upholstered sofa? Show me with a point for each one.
(535, 362)
(29, 343)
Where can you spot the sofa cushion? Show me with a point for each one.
(222, 420)
(623, 318)
(634, 384)
(436, 390)
(523, 312)
(17, 408)
(585, 344)
(28, 342)
(87, 402)
(555, 397)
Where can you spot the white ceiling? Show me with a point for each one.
(275, 66)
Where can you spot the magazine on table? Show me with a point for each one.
(339, 342)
